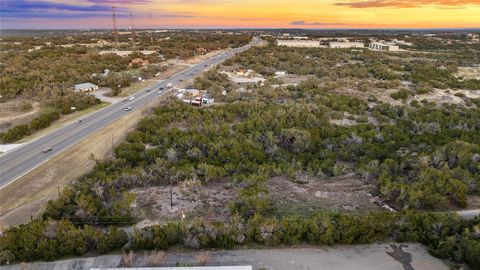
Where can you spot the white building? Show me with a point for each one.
(86, 87)
(402, 42)
(380, 46)
(125, 53)
(280, 73)
(344, 45)
(300, 38)
(298, 43)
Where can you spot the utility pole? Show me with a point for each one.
(115, 28)
(171, 195)
(151, 30)
(132, 29)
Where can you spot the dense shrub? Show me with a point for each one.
(445, 235)
(18, 132)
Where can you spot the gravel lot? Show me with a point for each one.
(372, 257)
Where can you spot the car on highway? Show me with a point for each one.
(48, 149)
(79, 121)
(148, 90)
(181, 80)
(131, 98)
(205, 65)
(128, 109)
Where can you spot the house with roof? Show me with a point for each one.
(86, 87)
(139, 62)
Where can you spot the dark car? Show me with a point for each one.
(148, 90)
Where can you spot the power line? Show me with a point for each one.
(151, 30)
(115, 28)
(132, 28)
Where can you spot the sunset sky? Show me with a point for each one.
(319, 14)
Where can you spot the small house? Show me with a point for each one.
(139, 62)
(86, 87)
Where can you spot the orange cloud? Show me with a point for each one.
(408, 3)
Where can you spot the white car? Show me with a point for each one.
(131, 98)
(128, 109)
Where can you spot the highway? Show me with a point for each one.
(21, 160)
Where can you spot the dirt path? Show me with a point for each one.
(5, 119)
(468, 214)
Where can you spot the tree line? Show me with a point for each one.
(445, 235)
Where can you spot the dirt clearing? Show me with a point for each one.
(14, 110)
(15, 113)
(347, 193)
(468, 73)
(190, 199)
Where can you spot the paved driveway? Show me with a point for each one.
(100, 94)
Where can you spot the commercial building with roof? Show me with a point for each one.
(298, 43)
(345, 45)
(86, 87)
(381, 46)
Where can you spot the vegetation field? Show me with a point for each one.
(44, 69)
(354, 152)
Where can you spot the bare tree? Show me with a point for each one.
(127, 258)
(203, 257)
(156, 258)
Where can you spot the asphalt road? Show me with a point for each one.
(27, 157)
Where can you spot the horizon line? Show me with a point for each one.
(255, 28)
